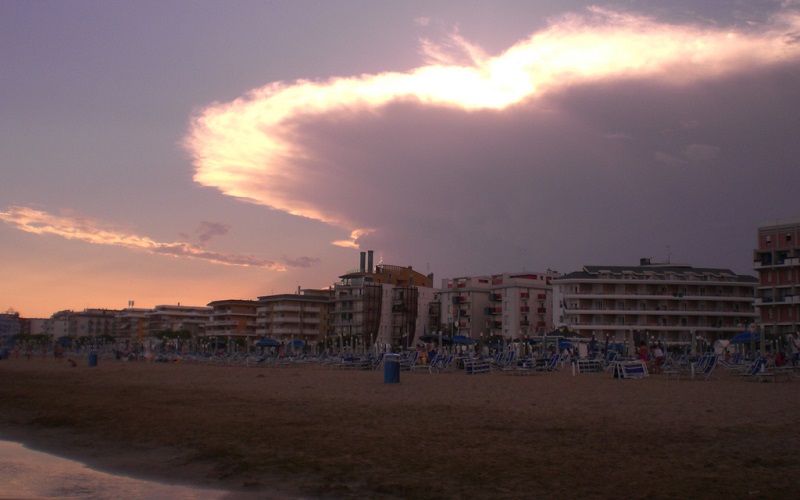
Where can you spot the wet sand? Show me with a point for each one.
(315, 432)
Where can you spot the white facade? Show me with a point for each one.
(668, 302)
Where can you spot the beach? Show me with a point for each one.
(310, 431)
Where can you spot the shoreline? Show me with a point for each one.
(308, 431)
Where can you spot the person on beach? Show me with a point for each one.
(642, 351)
(795, 344)
(658, 358)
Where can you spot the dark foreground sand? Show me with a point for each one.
(316, 432)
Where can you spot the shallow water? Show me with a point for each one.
(25, 473)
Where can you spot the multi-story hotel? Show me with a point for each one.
(232, 319)
(130, 325)
(294, 317)
(777, 261)
(92, 323)
(191, 319)
(384, 304)
(669, 302)
(512, 305)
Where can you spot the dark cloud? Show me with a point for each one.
(541, 185)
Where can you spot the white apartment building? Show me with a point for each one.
(669, 302)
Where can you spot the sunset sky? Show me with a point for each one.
(191, 151)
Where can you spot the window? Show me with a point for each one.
(788, 237)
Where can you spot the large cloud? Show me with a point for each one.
(587, 117)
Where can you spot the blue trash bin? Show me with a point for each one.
(391, 368)
(92, 359)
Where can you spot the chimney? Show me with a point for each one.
(369, 261)
(363, 256)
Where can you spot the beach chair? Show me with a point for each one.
(446, 363)
(589, 365)
(407, 362)
(509, 360)
(550, 366)
(477, 366)
(706, 372)
(611, 358)
(767, 371)
(752, 370)
(431, 362)
(630, 369)
(685, 368)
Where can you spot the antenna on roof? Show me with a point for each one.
(669, 255)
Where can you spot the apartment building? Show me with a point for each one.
(513, 305)
(92, 323)
(520, 304)
(669, 302)
(777, 262)
(191, 319)
(130, 325)
(232, 319)
(294, 317)
(383, 304)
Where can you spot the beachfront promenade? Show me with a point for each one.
(307, 428)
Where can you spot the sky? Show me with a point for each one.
(191, 151)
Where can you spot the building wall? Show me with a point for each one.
(669, 302)
(509, 304)
(777, 262)
(288, 317)
(232, 319)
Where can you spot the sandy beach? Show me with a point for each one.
(311, 431)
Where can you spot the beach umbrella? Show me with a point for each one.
(442, 339)
(267, 343)
(744, 338)
(462, 340)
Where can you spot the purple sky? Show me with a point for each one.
(169, 152)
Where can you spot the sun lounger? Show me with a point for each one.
(702, 369)
(445, 363)
(630, 369)
(507, 361)
(476, 366)
(408, 361)
(590, 365)
(550, 365)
